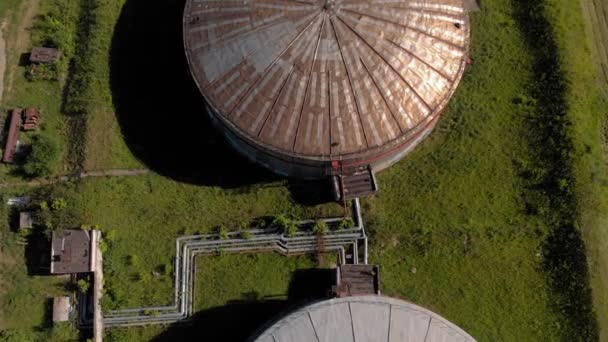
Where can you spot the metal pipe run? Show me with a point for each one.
(188, 247)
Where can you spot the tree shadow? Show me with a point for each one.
(240, 319)
(159, 108)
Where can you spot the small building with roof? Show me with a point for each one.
(12, 139)
(44, 55)
(26, 220)
(31, 119)
(61, 309)
(71, 252)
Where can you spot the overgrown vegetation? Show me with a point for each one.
(43, 158)
(550, 175)
(486, 234)
(285, 224)
(320, 227)
(57, 28)
(88, 98)
(141, 217)
(347, 223)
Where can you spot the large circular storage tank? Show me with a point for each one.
(363, 318)
(307, 86)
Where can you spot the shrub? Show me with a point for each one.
(244, 225)
(140, 276)
(83, 285)
(152, 313)
(42, 160)
(245, 234)
(132, 260)
(320, 227)
(24, 232)
(347, 223)
(14, 335)
(223, 232)
(42, 72)
(286, 225)
(259, 223)
(44, 206)
(59, 204)
(110, 235)
(103, 246)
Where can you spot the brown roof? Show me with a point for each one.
(326, 80)
(31, 112)
(13, 136)
(44, 55)
(31, 119)
(71, 252)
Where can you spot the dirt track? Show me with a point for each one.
(82, 175)
(2, 59)
(596, 15)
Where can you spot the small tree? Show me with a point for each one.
(320, 227)
(223, 232)
(42, 160)
(346, 223)
(286, 225)
(245, 235)
(59, 204)
(83, 285)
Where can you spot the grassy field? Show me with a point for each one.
(7, 6)
(25, 292)
(23, 32)
(145, 215)
(481, 223)
(596, 22)
(588, 100)
(249, 289)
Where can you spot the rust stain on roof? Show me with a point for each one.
(326, 79)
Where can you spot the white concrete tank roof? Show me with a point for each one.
(363, 319)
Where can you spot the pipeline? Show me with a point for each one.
(188, 247)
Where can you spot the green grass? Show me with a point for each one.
(466, 225)
(247, 288)
(25, 297)
(588, 115)
(148, 213)
(247, 277)
(454, 210)
(100, 144)
(45, 95)
(6, 6)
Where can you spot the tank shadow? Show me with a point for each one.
(160, 110)
(240, 319)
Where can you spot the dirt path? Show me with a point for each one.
(596, 15)
(21, 42)
(2, 58)
(82, 175)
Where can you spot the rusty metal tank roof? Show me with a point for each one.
(326, 79)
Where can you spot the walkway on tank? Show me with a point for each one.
(188, 247)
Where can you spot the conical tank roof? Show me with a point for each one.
(326, 79)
